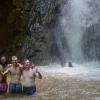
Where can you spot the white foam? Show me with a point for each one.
(87, 70)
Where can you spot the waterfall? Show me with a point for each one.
(77, 16)
(77, 35)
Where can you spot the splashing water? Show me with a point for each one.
(72, 27)
(84, 71)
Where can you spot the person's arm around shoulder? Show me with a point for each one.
(37, 73)
(21, 67)
(7, 69)
(8, 66)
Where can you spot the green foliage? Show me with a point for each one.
(26, 27)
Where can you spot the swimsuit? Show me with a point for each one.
(3, 88)
(15, 88)
(29, 90)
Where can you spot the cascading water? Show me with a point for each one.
(71, 24)
(79, 38)
(76, 17)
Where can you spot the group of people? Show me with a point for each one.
(22, 76)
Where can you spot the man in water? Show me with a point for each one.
(15, 70)
(3, 78)
(29, 74)
(70, 64)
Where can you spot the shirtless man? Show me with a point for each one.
(3, 78)
(29, 74)
(15, 75)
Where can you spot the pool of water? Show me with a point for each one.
(80, 82)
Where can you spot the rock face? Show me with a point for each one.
(91, 40)
(29, 33)
(39, 44)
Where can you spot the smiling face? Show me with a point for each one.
(26, 63)
(14, 60)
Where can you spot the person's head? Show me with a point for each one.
(70, 64)
(26, 63)
(3, 59)
(14, 60)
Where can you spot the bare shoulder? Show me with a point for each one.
(20, 65)
(9, 65)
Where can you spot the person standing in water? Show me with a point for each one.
(29, 74)
(70, 64)
(15, 70)
(3, 61)
(3, 78)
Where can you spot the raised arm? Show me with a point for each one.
(37, 73)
